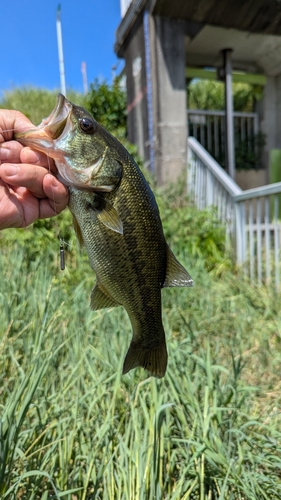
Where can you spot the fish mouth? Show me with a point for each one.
(42, 137)
(49, 137)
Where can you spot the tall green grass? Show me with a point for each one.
(72, 427)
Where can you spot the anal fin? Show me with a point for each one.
(176, 274)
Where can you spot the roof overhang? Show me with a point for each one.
(254, 16)
(252, 52)
(251, 28)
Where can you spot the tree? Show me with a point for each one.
(209, 94)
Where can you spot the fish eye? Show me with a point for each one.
(87, 125)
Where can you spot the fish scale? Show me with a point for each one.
(116, 217)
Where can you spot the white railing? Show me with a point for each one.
(208, 126)
(252, 217)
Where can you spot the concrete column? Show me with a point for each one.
(268, 123)
(278, 112)
(270, 113)
(137, 120)
(169, 98)
(229, 126)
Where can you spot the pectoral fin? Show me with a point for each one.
(176, 274)
(100, 300)
(110, 218)
(106, 213)
(77, 231)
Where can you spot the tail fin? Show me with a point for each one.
(154, 359)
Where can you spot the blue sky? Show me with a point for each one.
(29, 54)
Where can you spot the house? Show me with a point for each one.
(165, 41)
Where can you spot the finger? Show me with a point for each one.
(46, 210)
(28, 206)
(11, 214)
(32, 208)
(56, 192)
(11, 121)
(28, 155)
(25, 175)
(10, 152)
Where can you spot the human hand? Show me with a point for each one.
(28, 191)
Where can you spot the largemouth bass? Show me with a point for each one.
(117, 219)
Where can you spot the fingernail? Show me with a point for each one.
(4, 153)
(29, 156)
(11, 170)
(53, 178)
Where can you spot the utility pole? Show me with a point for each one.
(84, 77)
(60, 52)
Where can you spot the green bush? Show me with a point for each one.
(36, 104)
(190, 231)
(249, 153)
(107, 104)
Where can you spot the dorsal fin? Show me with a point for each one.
(176, 274)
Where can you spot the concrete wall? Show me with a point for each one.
(248, 179)
(170, 101)
(163, 49)
(270, 113)
(137, 90)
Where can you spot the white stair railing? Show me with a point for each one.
(208, 127)
(252, 217)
